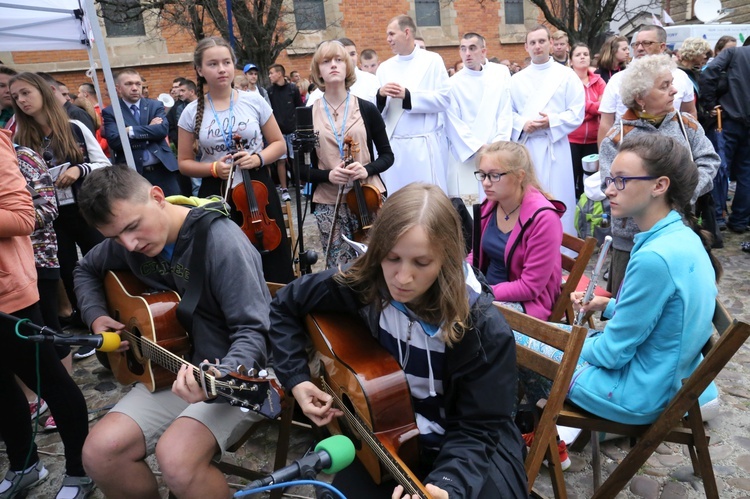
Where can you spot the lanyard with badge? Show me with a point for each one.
(226, 134)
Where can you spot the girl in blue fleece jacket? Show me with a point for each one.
(661, 317)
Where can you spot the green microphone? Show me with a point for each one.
(340, 451)
(331, 455)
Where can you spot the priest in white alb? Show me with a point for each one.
(413, 97)
(548, 104)
(479, 113)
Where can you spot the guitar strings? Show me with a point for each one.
(376, 446)
(172, 362)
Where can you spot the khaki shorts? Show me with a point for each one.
(155, 412)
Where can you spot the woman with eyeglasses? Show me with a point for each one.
(521, 231)
(661, 318)
(647, 90)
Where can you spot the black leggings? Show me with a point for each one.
(46, 283)
(57, 387)
(72, 230)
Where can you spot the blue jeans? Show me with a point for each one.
(737, 152)
(721, 180)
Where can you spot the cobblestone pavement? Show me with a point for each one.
(666, 475)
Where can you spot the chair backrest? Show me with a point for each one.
(575, 268)
(559, 372)
(731, 335)
(273, 287)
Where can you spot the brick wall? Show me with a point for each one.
(162, 58)
(158, 76)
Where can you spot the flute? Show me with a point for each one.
(589, 294)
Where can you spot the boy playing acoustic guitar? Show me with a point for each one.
(155, 241)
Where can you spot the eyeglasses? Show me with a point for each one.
(494, 177)
(620, 181)
(645, 44)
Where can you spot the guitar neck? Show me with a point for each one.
(170, 361)
(396, 467)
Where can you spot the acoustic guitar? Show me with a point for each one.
(158, 343)
(369, 386)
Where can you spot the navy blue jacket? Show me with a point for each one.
(145, 136)
(481, 442)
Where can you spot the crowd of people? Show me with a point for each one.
(670, 132)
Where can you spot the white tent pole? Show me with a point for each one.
(91, 73)
(96, 30)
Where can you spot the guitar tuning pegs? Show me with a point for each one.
(242, 370)
(262, 373)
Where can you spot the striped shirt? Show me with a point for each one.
(421, 357)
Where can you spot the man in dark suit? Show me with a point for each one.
(147, 127)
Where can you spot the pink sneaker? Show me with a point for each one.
(49, 424)
(37, 407)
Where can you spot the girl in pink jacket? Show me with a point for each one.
(521, 237)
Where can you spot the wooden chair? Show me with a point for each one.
(544, 445)
(282, 444)
(575, 268)
(288, 213)
(731, 335)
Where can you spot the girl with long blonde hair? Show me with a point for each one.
(521, 231)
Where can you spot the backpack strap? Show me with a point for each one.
(192, 296)
(617, 133)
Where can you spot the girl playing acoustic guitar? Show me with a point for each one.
(428, 310)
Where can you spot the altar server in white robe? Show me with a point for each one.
(479, 113)
(548, 104)
(413, 97)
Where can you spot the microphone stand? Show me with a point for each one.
(305, 140)
(43, 330)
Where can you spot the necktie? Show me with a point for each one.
(148, 159)
(136, 113)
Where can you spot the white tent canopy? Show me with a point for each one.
(42, 25)
(59, 25)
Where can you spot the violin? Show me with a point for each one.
(251, 198)
(364, 200)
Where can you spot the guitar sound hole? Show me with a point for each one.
(134, 356)
(346, 430)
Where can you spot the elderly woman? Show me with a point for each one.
(647, 91)
(694, 52)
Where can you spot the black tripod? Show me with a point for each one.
(305, 140)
